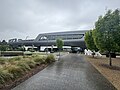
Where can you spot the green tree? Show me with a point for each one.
(4, 47)
(90, 41)
(59, 44)
(3, 42)
(116, 26)
(104, 34)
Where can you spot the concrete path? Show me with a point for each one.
(72, 72)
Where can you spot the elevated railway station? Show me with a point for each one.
(70, 38)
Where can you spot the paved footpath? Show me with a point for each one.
(72, 72)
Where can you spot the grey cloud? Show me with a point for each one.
(21, 18)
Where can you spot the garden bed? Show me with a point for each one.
(112, 73)
(9, 85)
(16, 70)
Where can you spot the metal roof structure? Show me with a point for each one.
(70, 38)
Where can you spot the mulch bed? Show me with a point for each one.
(110, 67)
(112, 73)
(12, 84)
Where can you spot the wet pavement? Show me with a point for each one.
(71, 72)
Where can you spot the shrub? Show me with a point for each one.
(26, 56)
(50, 58)
(2, 61)
(30, 63)
(13, 60)
(15, 71)
(39, 60)
(25, 67)
(14, 68)
(5, 76)
(35, 55)
(17, 58)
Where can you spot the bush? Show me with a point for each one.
(5, 76)
(24, 66)
(2, 61)
(50, 58)
(14, 60)
(39, 60)
(26, 56)
(30, 63)
(14, 70)
(35, 55)
(17, 58)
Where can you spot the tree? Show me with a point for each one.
(59, 44)
(90, 41)
(4, 46)
(116, 26)
(3, 42)
(104, 33)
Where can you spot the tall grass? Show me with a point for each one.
(13, 68)
(50, 58)
(5, 76)
(39, 60)
(30, 63)
(25, 67)
(2, 60)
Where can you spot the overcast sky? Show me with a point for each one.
(21, 18)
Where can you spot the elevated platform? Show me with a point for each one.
(70, 38)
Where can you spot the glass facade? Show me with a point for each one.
(63, 37)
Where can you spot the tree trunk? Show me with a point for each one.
(93, 54)
(110, 60)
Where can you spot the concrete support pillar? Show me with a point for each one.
(38, 48)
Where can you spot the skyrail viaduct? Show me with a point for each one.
(70, 38)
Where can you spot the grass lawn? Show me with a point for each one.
(112, 73)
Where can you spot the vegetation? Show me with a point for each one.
(106, 34)
(50, 58)
(90, 41)
(5, 76)
(4, 46)
(13, 68)
(107, 28)
(39, 60)
(59, 44)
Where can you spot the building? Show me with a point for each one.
(70, 38)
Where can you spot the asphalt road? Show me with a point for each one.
(71, 72)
